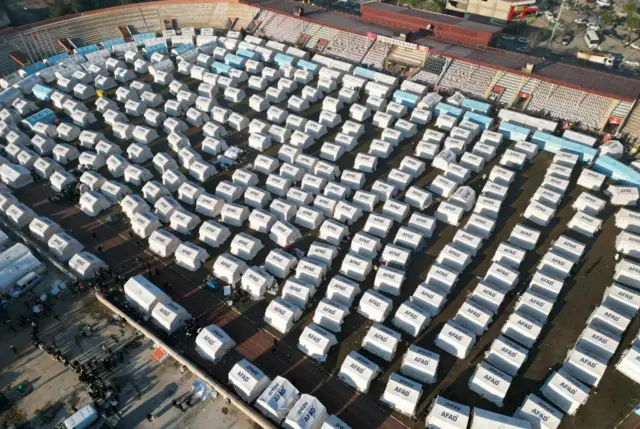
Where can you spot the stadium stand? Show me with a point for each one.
(407, 56)
(376, 55)
(348, 46)
(309, 32)
(467, 77)
(433, 69)
(324, 33)
(510, 84)
(282, 28)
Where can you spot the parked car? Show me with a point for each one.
(24, 284)
(603, 3)
(580, 21)
(508, 37)
(523, 40)
(593, 26)
(524, 49)
(567, 39)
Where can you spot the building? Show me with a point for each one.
(495, 11)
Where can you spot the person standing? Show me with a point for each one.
(14, 350)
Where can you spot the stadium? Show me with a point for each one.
(437, 233)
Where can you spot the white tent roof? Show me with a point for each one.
(585, 366)
(358, 371)
(63, 246)
(280, 263)
(629, 363)
(411, 318)
(132, 204)
(322, 252)
(539, 413)
(229, 268)
(277, 399)
(389, 280)
(429, 298)
(627, 273)
(342, 290)
(144, 294)
(212, 343)
(488, 296)
(330, 314)
(375, 306)
(247, 380)
(474, 317)
(524, 237)
(255, 281)
(316, 341)
(455, 339)
(245, 246)
(442, 277)
(585, 224)
(628, 220)
(365, 245)
(183, 222)
(490, 383)
(609, 320)
(483, 419)
(307, 413)
(565, 392)
(508, 255)
(43, 228)
(591, 180)
(502, 277)
(381, 341)
(85, 264)
(356, 267)
(555, 265)
(522, 329)
(163, 243)
(169, 315)
(402, 394)
(534, 306)
(298, 292)
(284, 234)
(420, 364)
(446, 414)
(190, 256)
(453, 258)
(281, 315)
(623, 300)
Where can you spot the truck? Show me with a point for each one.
(604, 59)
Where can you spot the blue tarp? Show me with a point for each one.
(617, 170)
(476, 106)
(8, 95)
(308, 66)
(55, 59)
(234, 61)
(87, 49)
(150, 50)
(483, 121)
(447, 109)
(34, 68)
(284, 60)
(220, 68)
(139, 38)
(513, 132)
(45, 115)
(246, 53)
(42, 92)
(551, 143)
(181, 49)
(112, 42)
(405, 98)
(365, 73)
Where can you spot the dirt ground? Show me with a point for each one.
(615, 397)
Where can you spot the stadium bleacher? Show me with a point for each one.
(468, 77)
(376, 55)
(282, 28)
(433, 69)
(348, 47)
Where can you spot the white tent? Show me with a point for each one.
(85, 265)
(189, 192)
(44, 167)
(279, 263)
(539, 413)
(316, 341)
(545, 285)
(143, 294)
(132, 204)
(15, 176)
(378, 225)
(356, 267)
(411, 318)
(628, 364)
(453, 258)
(627, 273)
(137, 175)
(116, 164)
(183, 221)
(622, 300)
(311, 271)
(539, 213)
(284, 234)
(387, 279)
(245, 246)
(522, 329)
(281, 315)
(421, 223)
(420, 364)
(628, 220)
(190, 256)
(609, 320)
(63, 246)
(152, 191)
(565, 392)
(524, 237)
(277, 399)
(234, 214)
(591, 180)
(473, 317)
(395, 210)
(584, 366)
(163, 243)
(261, 221)
(43, 228)
(481, 419)
(588, 203)
(490, 383)
(455, 339)
(585, 224)
(358, 371)
(61, 179)
(92, 203)
(375, 306)
(429, 298)
(502, 277)
(488, 296)
(446, 414)
(568, 248)
(330, 314)
(342, 290)
(307, 413)
(442, 277)
(164, 208)
(443, 186)
(212, 343)
(555, 265)
(402, 394)
(143, 223)
(247, 380)
(229, 268)
(208, 205)
(323, 253)
(255, 281)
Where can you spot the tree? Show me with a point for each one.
(58, 8)
(630, 7)
(607, 19)
(633, 23)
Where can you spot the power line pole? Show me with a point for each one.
(553, 32)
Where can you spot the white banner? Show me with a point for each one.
(393, 41)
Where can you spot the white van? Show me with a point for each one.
(82, 419)
(591, 39)
(24, 284)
